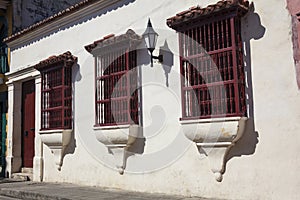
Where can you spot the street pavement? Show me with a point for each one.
(7, 198)
(14, 190)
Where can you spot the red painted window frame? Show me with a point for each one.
(116, 99)
(56, 91)
(56, 97)
(202, 105)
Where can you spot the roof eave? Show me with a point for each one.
(55, 23)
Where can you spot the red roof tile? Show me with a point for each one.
(61, 14)
(111, 39)
(197, 11)
(65, 57)
(90, 47)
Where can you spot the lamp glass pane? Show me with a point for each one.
(153, 40)
(147, 40)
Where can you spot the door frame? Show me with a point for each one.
(13, 152)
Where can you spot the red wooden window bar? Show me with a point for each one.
(56, 92)
(211, 61)
(116, 88)
(117, 94)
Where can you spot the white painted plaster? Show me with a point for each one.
(261, 167)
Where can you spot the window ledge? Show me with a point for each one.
(215, 137)
(118, 139)
(210, 120)
(57, 141)
(111, 127)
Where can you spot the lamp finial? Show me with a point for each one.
(149, 23)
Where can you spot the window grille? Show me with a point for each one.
(212, 70)
(211, 60)
(116, 79)
(57, 98)
(56, 92)
(116, 88)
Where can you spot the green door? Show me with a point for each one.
(2, 139)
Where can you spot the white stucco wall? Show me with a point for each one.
(262, 166)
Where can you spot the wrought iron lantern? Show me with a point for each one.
(150, 37)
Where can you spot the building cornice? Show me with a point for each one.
(56, 23)
(21, 74)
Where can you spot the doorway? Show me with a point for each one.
(28, 123)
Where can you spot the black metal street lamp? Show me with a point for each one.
(150, 37)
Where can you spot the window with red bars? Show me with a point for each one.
(212, 70)
(116, 88)
(57, 98)
(56, 91)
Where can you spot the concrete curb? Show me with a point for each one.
(64, 191)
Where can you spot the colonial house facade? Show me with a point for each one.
(15, 16)
(196, 98)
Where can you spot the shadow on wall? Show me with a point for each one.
(71, 147)
(82, 20)
(76, 76)
(252, 29)
(157, 113)
(168, 60)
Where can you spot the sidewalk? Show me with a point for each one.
(59, 191)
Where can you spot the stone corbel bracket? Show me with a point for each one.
(57, 141)
(215, 137)
(118, 139)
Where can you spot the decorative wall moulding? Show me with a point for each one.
(21, 74)
(118, 139)
(215, 137)
(57, 141)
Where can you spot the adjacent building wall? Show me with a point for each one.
(29, 12)
(263, 165)
(6, 27)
